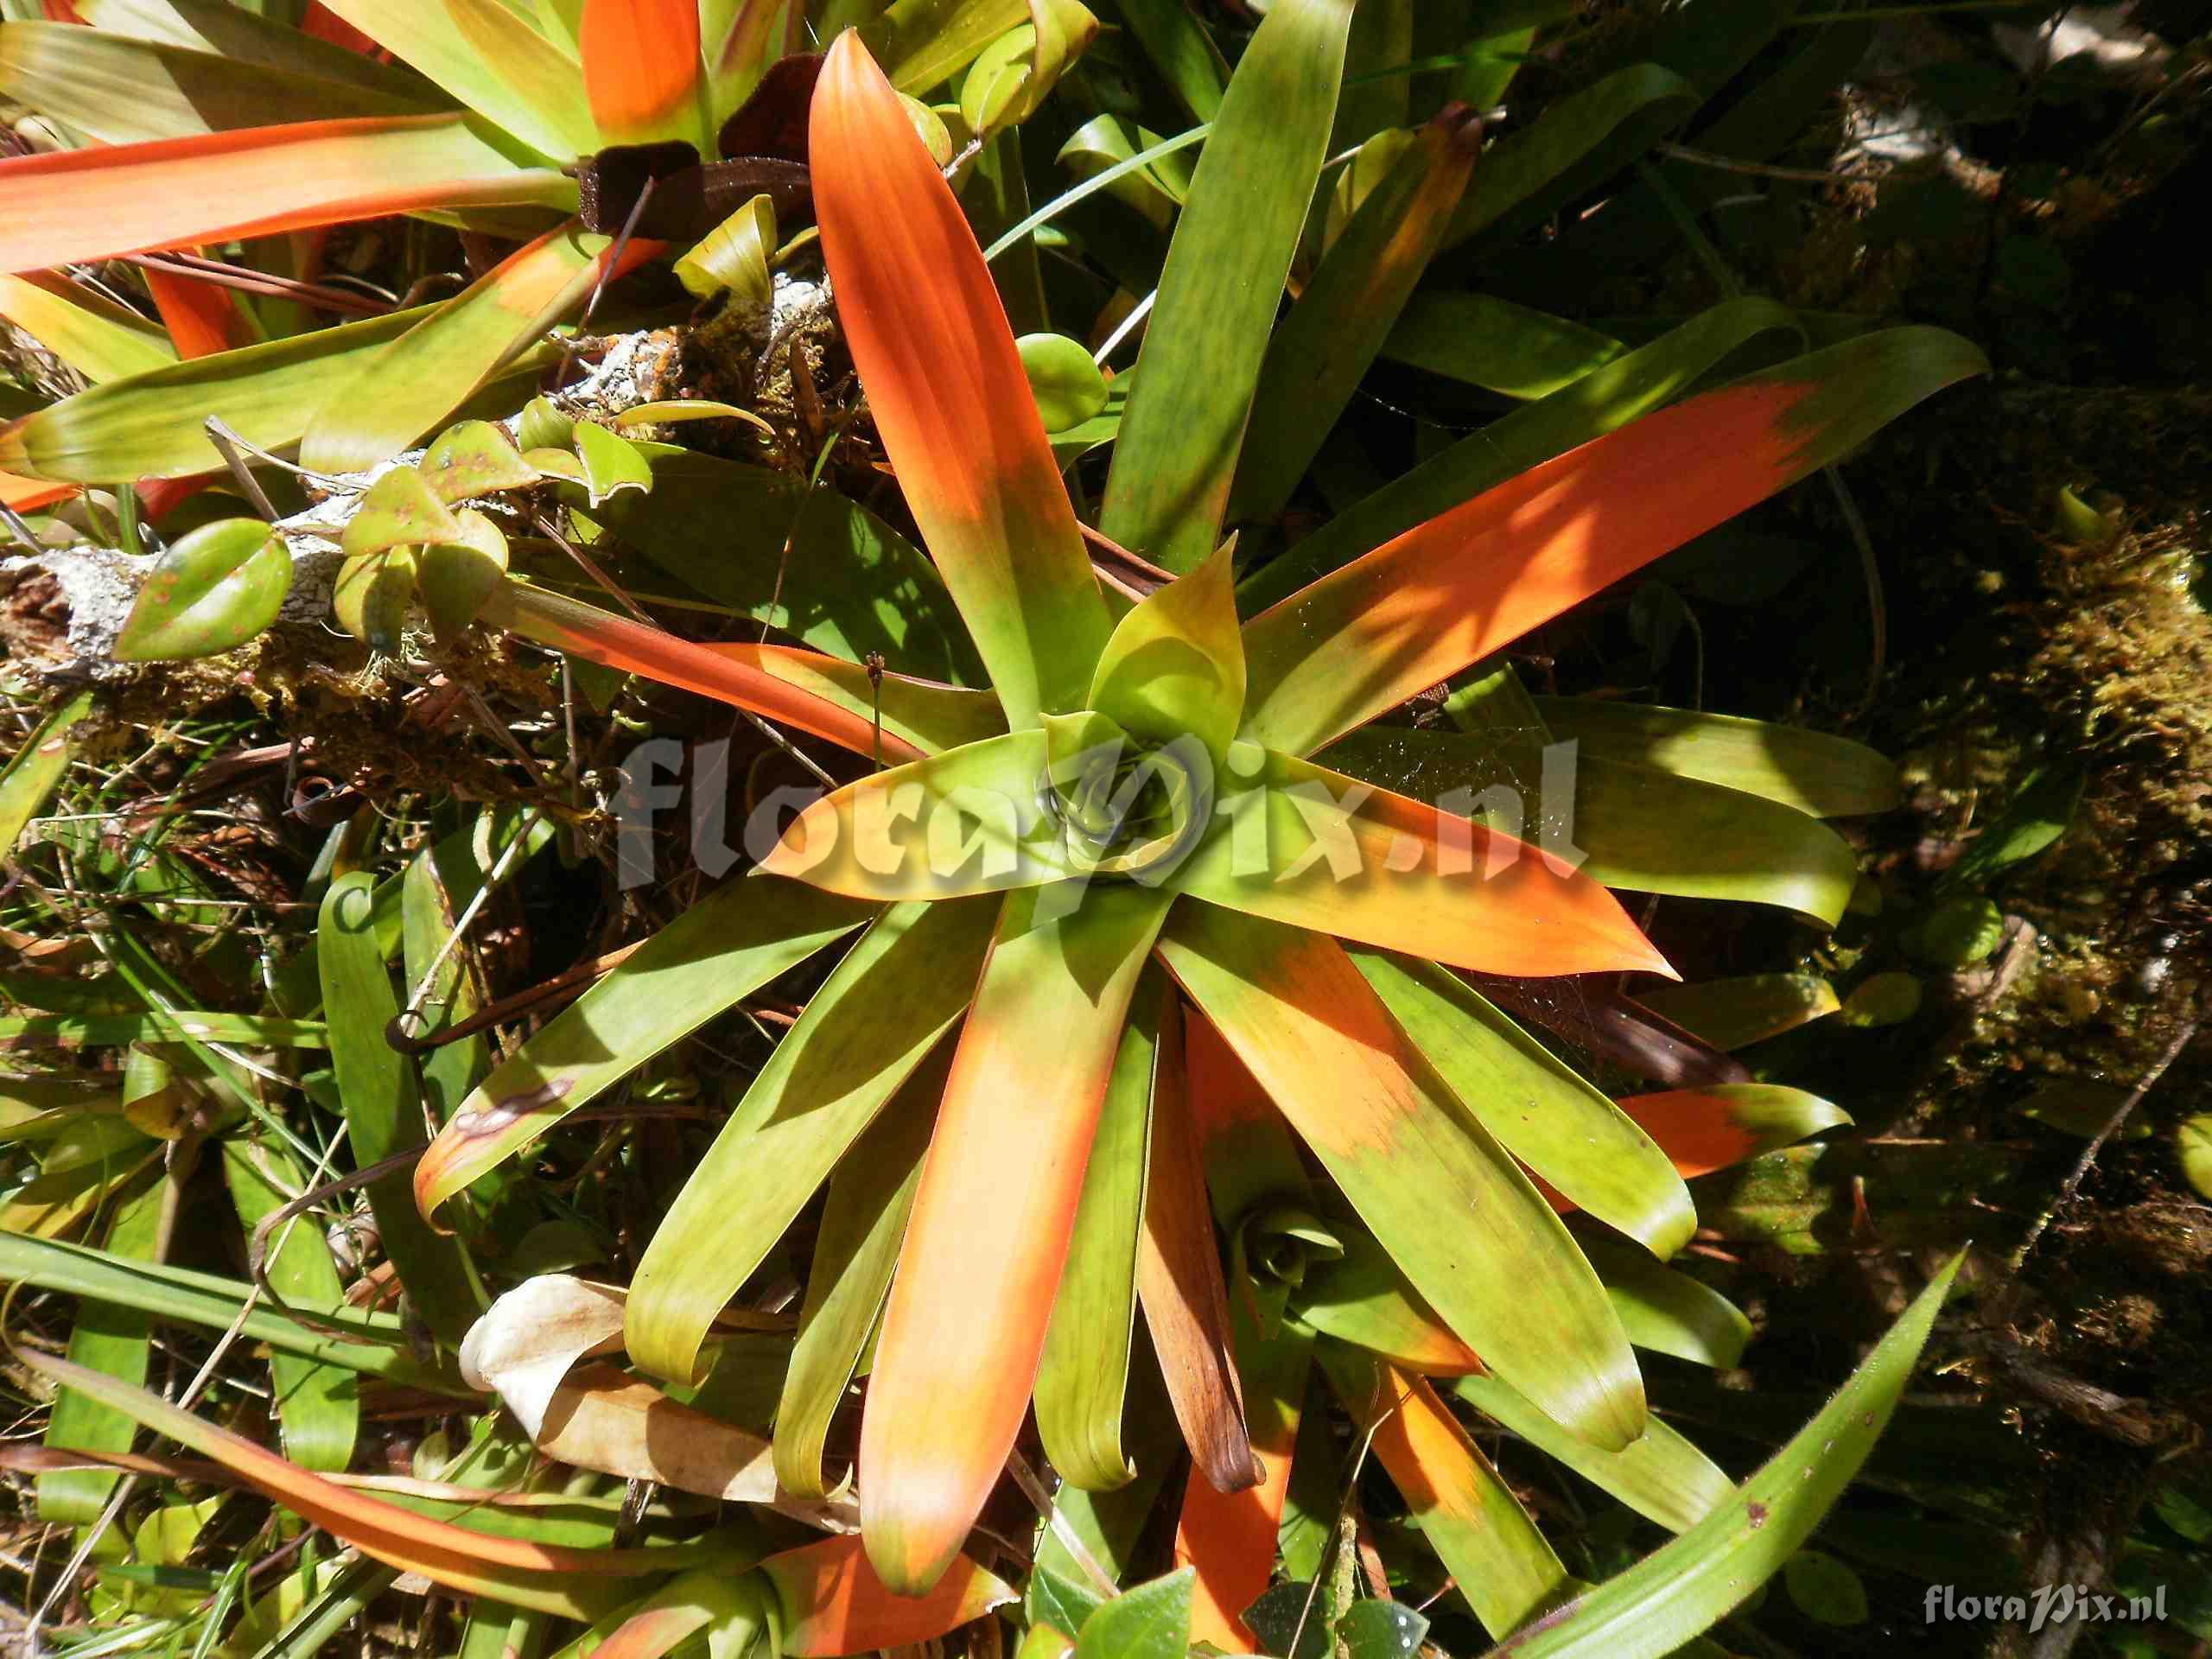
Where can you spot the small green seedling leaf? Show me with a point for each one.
(611, 462)
(214, 589)
(1824, 1589)
(1151, 1622)
(1888, 999)
(1291, 1620)
(1958, 931)
(1381, 1630)
(1066, 384)
(2193, 1137)
(542, 426)
(1053, 1600)
(557, 463)
(734, 257)
(472, 458)
(674, 411)
(370, 597)
(455, 578)
(398, 510)
(2037, 817)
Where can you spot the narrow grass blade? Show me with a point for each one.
(713, 955)
(1470, 581)
(1317, 849)
(486, 56)
(1552, 1119)
(951, 403)
(112, 1340)
(437, 365)
(863, 1219)
(1467, 1514)
(1829, 777)
(1184, 422)
(874, 1021)
(1687, 1586)
(384, 1111)
(992, 1219)
(1317, 358)
(1445, 1200)
(79, 205)
(1084, 1373)
(318, 1405)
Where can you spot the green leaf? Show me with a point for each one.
(120, 91)
(152, 425)
(1556, 1122)
(1184, 421)
(612, 462)
(734, 257)
(921, 43)
(112, 1339)
(399, 510)
(1067, 385)
(449, 356)
(1181, 49)
(1599, 402)
(1825, 1590)
(712, 955)
(1665, 1311)
(1637, 827)
(384, 1112)
(1084, 1375)
(1687, 1586)
(1318, 357)
(98, 338)
(488, 57)
(1731, 1014)
(1387, 1130)
(2039, 815)
(849, 584)
(318, 1405)
(235, 32)
(897, 992)
(457, 578)
(1174, 664)
(1576, 143)
(1156, 188)
(2193, 1140)
(1150, 1622)
(1829, 777)
(1381, 1630)
(1497, 345)
(863, 1219)
(35, 771)
(370, 594)
(472, 458)
(212, 589)
(1661, 1476)
(1060, 1603)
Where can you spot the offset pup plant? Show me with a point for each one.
(1127, 827)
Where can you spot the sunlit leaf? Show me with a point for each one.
(213, 588)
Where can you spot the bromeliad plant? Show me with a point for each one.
(1128, 826)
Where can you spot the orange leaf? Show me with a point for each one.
(319, 23)
(953, 408)
(202, 318)
(1179, 1278)
(28, 494)
(1706, 1129)
(988, 1239)
(92, 204)
(641, 65)
(599, 636)
(833, 1602)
